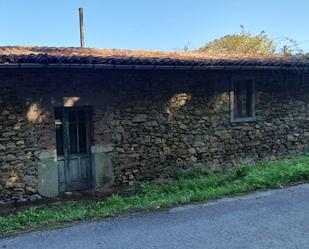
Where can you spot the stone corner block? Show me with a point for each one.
(48, 182)
(102, 148)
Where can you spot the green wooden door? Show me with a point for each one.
(73, 148)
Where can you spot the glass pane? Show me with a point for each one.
(82, 138)
(237, 99)
(81, 116)
(242, 99)
(59, 140)
(72, 116)
(73, 138)
(249, 99)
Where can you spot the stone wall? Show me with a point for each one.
(148, 123)
(186, 123)
(18, 143)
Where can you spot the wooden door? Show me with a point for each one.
(73, 148)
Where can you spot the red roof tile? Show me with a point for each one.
(60, 55)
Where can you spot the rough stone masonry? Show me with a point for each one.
(148, 123)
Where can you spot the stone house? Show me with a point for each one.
(73, 118)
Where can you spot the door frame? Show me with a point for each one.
(65, 136)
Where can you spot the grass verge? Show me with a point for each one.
(184, 189)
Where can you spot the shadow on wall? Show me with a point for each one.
(176, 102)
(220, 101)
(11, 181)
(37, 114)
(70, 101)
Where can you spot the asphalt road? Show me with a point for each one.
(266, 220)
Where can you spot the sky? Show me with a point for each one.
(149, 24)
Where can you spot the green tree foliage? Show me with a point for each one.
(244, 43)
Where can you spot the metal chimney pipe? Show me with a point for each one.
(81, 27)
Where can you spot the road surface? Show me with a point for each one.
(265, 220)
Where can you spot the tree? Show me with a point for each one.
(244, 43)
(290, 47)
(249, 44)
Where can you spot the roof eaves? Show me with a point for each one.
(150, 67)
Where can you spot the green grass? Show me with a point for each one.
(185, 188)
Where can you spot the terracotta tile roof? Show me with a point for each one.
(93, 56)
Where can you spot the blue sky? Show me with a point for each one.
(148, 24)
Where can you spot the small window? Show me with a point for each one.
(242, 100)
